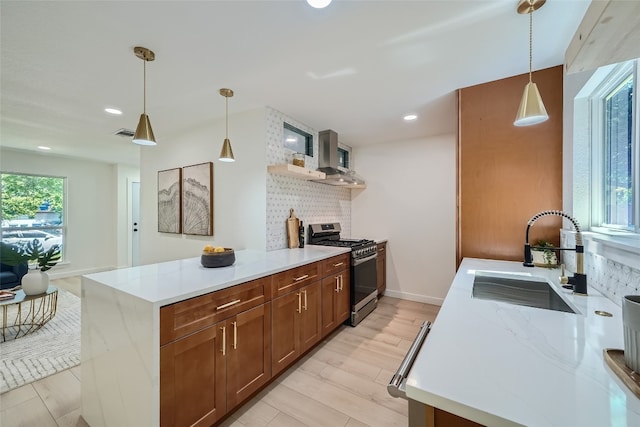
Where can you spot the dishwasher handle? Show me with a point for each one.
(397, 385)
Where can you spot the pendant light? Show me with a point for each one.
(144, 133)
(226, 154)
(531, 111)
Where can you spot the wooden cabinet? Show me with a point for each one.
(209, 368)
(295, 278)
(218, 349)
(185, 317)
(382, 268)
(248, 353)
(493, 171)
(296, 320)
(335, 300)
(421, 414)
(192, 379)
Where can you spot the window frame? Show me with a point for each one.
(597, 110)
(306, 139)
(63, 225)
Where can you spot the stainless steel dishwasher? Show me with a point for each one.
(397, 385)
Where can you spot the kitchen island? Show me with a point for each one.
(500, 364)
(123, 312)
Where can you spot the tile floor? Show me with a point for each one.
(342, 382)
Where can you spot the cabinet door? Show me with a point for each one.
(311, 316)
(192, 379)
(330, 289)
(335, 301)
(382, 268)
(248, 353)
(285, 347)
(343, 300)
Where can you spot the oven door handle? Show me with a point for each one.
(363, 260)
(397, 385)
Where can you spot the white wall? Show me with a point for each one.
(91, 208)
(410, 200)
(239, 187)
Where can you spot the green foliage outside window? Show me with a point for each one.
(22, 195)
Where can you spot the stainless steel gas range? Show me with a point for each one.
(364, 277)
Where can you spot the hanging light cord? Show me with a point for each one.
(530, 42)
(227, 117)
(144, 86)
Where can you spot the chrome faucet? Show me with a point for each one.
(579, 279)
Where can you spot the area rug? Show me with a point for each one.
(53, 348)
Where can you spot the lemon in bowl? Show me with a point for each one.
(213, 257)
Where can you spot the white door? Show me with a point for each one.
(135, 215)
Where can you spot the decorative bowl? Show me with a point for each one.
(218, 259)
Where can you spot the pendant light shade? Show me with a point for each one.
(226, 154)
(531, 110)
(144, 133)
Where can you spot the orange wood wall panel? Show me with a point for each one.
(507, 173)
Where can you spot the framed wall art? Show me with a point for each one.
(197, 199)
(169, 202)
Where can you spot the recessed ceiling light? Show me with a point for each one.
(42, 147)
(319, 4)
(113, 111)
(410, 117)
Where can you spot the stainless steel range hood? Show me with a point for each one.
(329, 163)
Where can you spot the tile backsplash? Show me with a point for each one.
(612, 277)
(312, 202)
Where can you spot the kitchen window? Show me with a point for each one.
(297, 140)
(615, 202)
(33, 207)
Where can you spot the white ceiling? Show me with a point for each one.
(355, 67)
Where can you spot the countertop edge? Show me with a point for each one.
(499, 394)
(136, 281)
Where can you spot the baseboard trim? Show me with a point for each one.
(70, 273)
(414, 297)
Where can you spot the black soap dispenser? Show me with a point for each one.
(301, 235)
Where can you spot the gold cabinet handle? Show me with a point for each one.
(338, 264)
(235, 335)
(337, 283)
(224, 340)
(305, 300)
(229, 304)
(297, 279)
(341, 282)
(299, 302)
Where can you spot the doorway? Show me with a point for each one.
(135, 223)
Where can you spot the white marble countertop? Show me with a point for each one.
(168, 282)
(501, 364)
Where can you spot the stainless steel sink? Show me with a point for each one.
(524, 290)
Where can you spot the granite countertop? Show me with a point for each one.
(168, 282)
(501, 364)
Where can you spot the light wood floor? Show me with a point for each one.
(342, 382)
